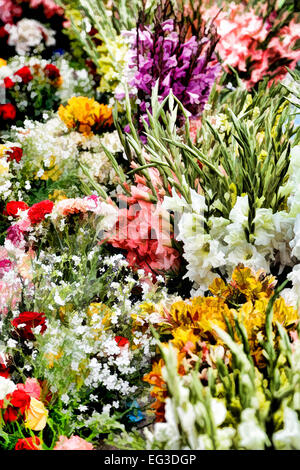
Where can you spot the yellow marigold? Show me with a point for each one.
(3, 62)
(85, 114)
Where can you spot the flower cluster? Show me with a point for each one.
(165, 53)
(22, 402)
(27, 34)
(23, 85)
(192, 325)
(144, 231)
(248, 44)
(85, 115)
(149, 225)
(49, 151)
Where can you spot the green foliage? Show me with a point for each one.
(243, 147)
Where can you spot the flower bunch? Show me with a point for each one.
(85, 115)
(253, 45)
(237, 407)
(22, 402)
(53, 152)
(144, 231)
(192, 323)
(29, 89)
(9, 11)
(113, 64)
(235, 221)
(50, 7)
(180, 60)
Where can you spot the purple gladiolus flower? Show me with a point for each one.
(179, 56)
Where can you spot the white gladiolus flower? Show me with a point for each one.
(289, 437)
(218, 411)
(252, 437)
(240, 211)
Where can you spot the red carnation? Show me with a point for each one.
(11, 414)
(52, 72)
(8, 83)
(19, 402)
(121, 341)
(25, 74)
(29, 320)
(29, 443)
(7, 111)
(38, 211)
(15, 153)
(20, 399)
(12, 207)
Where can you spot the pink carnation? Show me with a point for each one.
(70, 206)
(73, 443)
(15, 235)
(31, 387)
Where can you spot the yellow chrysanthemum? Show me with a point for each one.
(84, 113)
(3, 62)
